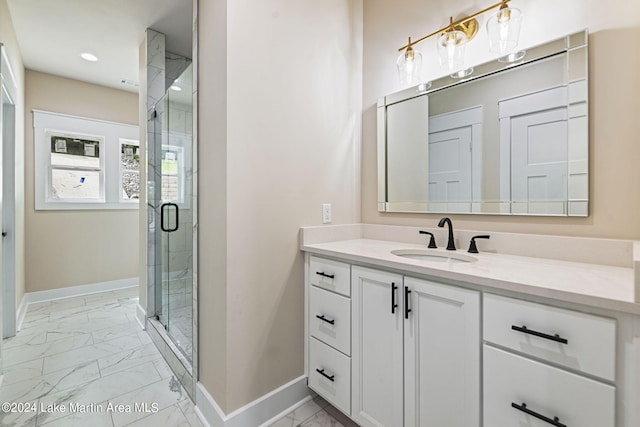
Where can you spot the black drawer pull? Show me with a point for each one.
(324, 319)
(407, 310)
(329, 377)
(394, 304)
(525, 330)
(554, 422)
(323, 274)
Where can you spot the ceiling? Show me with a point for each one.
(52, 34)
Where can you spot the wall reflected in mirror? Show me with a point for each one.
(509, 139)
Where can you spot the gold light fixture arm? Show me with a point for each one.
(468, 25)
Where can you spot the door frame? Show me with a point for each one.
(8, 95)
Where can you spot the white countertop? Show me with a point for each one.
(603, 286)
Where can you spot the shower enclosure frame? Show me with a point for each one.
(166, 66)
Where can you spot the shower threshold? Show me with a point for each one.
(177, 361)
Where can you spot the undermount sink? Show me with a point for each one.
(433, 256)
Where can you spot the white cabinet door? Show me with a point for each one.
(377, 375)
(442, 355)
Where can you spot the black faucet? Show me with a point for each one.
(451, 246)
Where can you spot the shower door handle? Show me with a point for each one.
(163, 209)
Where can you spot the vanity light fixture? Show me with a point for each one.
(89, 57)
(409, 65)
(503, 29)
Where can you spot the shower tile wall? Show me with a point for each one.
(174, 66)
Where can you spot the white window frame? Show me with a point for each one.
(46, 124)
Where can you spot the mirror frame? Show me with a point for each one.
(571, 42)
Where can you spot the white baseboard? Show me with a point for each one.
(76, 291)
(257, 413)
(71, 291)
(207, 408)
(141, 317)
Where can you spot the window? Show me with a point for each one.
(83, 163)
(172, 174)
(76, 168)
(129, 170)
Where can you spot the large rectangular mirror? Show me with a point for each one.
(510, 138)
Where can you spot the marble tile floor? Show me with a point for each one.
(315, 413)
(88, 356)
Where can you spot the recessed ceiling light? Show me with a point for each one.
(89, 57)
(175, 87)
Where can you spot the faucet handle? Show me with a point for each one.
(472, 245)
(432, 239)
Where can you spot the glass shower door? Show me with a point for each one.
(176, 214)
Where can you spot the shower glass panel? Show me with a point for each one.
(174, 284)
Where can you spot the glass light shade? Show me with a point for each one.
(462, 73)
(410, 67)
(503, 30)
(451, 50)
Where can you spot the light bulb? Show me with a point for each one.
(451, 52)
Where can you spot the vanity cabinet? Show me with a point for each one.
(393, 350)
(415, 351)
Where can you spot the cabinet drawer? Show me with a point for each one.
(333, 383)
(330, 319)
(332, 275)
(590, 340)
(549, 392)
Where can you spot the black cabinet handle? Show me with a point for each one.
(323, 274)
(525, 330)
(407, 310)
(324, 319)
(394, 304)
(555, 421)
(329, 377)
